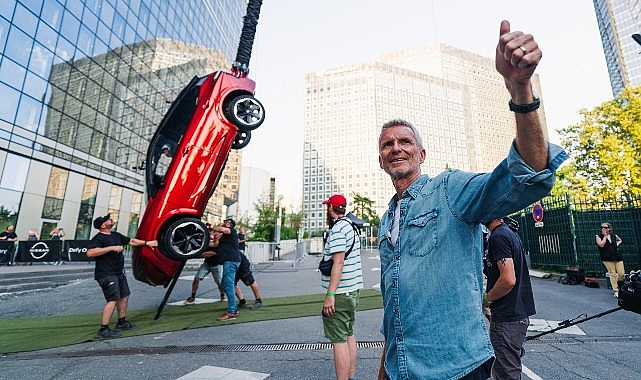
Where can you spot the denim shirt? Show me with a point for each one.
(431, 279)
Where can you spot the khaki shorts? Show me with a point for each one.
(341, 325)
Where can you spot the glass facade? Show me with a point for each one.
(618, 20)
(84, 85)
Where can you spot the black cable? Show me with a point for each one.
(247, 36)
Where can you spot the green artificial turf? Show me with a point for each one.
(30, 334)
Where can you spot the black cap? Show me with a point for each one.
(97, 223)
(230, 220)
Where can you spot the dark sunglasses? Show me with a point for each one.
(605, 227)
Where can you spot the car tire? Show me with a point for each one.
(241, 140)
(246, 112)
(185, 238)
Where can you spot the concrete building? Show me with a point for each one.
(257, 185)
(84, 85)
(618, 20)
(456, 99)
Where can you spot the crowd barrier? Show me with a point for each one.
(45, 251)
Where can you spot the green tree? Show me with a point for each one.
(606, 148)
(263, 229)
(363, 208)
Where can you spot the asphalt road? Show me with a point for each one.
(608, 350)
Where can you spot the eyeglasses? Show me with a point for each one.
(605, 227)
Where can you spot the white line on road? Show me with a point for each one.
(530, 374)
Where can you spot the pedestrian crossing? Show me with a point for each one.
(220, 373)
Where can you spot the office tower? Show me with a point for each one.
(456, 99)
(618, 20)
(84, 85)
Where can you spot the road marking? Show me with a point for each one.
(528, 372)
(197, 301)
(219, 373)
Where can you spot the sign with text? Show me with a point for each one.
(38, 251)
(6, 251)
(76, 250)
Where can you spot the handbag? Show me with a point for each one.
(325, 266)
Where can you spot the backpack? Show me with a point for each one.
(325, 266)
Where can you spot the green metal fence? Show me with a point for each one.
(566, 236)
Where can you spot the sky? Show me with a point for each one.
(297, 37)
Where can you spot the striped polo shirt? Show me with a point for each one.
(340, 239)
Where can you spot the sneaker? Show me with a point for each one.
(242, 303)
(616, 294)
(107, 334)
(227, 317)
(258, 304)
(190, 301)
(126, 325)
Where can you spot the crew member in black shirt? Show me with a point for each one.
(106, 247)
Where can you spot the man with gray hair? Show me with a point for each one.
(431, 233)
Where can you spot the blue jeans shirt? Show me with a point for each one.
(432, 280)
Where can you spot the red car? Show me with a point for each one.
(186, 157)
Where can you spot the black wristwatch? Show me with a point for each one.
(525, 108)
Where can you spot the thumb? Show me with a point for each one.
(505, 27)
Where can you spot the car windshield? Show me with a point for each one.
(168, 136)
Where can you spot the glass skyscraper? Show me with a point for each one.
(618, 20)
(83, 85)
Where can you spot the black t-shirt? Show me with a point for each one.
(113, 262)
(228, 247)
(213, 260)
(242, 244)
(519, 302)
(8, 235)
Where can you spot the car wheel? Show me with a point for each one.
(246, 112)
(186, 238)
(241, 140)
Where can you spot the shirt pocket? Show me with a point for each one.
(422, 233)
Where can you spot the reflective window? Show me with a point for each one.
(89, 191)
(47, 36)
(9, 103)
(28, 116)
(52, 13)
(41, 59)
(115, 197)
(85, 214)
(12, 74)
(70, 26)
(18, 46)
(6, 10)
(25, 20)
(52, 208)
(14, 175)
(57, 183)
(134, 216)
(9, 207)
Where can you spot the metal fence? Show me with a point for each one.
(291, 251)
(566, 236)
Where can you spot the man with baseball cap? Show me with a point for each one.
(106, 247)
(342, 286)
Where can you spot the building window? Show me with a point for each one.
(87, 203)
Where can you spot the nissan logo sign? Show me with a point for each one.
(39, 250)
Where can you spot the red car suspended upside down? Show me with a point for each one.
(186, 157)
